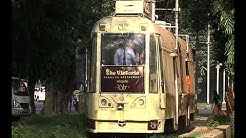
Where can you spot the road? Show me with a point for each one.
(199, 125)
(39, 106)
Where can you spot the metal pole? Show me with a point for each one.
(208, 64)
(224, 76)
(176, 81)
(218, 76)
(86, 67)
(228, 80)
(176, 23)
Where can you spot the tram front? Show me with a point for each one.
(122, 94)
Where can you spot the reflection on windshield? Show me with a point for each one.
(19, 87)
(123, 49)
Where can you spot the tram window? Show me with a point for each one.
(153, 66)
(188, 81)
(110, 43)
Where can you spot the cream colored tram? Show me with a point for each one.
(149, 96)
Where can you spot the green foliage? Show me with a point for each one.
(47, 35)
(43, 28)
(198, 134)
(194, 17)
(215, 120)
(62, 126)
(196, 13)
(223, 16)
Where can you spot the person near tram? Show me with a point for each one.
(217, 109)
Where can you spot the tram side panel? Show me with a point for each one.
(168, 43)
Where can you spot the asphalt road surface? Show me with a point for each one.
(39, 106)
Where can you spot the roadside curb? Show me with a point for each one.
(221, 131)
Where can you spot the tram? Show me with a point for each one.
(152, 93)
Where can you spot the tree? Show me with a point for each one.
(45, 38)
(224, 11)
(44, 44)
(194, 17)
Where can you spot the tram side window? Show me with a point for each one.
(188, 81)
(153, 66)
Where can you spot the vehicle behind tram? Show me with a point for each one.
(20, 99)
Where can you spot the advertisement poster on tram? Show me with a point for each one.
(122, 79)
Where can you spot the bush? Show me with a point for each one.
(214, 121)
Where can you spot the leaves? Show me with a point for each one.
(48, 34)
(224, 10)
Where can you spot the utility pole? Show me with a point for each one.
(176, 23)
(86, 68)
(208, 64)
(218, 76)
(176, 74)
(224, 85)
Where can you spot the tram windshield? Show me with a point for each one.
(114, 45)
(122, 63)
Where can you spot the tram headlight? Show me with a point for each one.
(141, 102)
(103, 102)
(102, 27)
(143, 27)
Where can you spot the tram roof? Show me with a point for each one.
(125, 24)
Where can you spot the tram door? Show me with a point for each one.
(161, 76)
(156, 70)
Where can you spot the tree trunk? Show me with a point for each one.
(49, 104)
(31, 88)
(61, 102)
(82, 103)
(65, 100)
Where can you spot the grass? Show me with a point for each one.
(62, 126)
(198, 134)
(73, 126)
